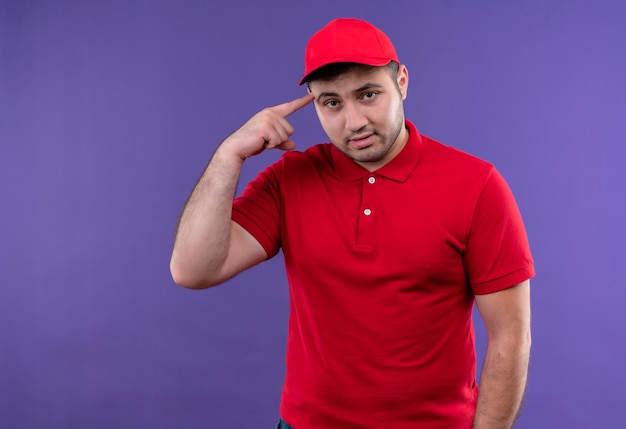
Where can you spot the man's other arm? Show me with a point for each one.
(503, 380)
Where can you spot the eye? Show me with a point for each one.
(369, 95)
(331, 103)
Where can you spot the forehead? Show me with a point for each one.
(353, 79)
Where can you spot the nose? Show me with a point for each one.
(354, 117)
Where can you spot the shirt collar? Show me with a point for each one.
(398, 169)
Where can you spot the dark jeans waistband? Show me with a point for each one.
(283, 425)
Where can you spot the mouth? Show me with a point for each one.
(362, 141)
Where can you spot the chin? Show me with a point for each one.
(369, 155)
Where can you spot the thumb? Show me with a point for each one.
(287, 145)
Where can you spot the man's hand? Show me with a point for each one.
(268, 129)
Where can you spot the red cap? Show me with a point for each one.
(347, 40)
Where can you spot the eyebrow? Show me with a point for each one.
(356, 91)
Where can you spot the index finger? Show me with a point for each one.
(292, 106)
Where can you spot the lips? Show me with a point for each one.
(362, 141)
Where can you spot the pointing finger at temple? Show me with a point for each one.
(290, 107)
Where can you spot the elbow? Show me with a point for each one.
(187, 282)
(189, 278)
(524, 337)
(524, 342)
(529, 340)
(515, 342)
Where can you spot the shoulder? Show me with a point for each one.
(296, 168)
(316, 158)
(449, 165)
(315, 153)
(453, 157)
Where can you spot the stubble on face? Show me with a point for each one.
(379, 139)
(380, 147)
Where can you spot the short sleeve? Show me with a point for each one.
(258, 209)
(498, 254)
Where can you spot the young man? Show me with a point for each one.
(389, 238)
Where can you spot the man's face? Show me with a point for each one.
(362, 113)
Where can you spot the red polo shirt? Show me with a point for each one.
(382, 269)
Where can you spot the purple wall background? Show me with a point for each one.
(110, 110)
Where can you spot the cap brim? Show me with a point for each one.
(375, 62)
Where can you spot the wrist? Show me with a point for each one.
(227, 153)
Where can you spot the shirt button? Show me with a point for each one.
(371, 180)
(367, 212)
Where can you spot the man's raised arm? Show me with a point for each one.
(209, 247)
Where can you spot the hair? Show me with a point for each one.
(332, 71)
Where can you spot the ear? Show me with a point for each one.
(403, 80)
